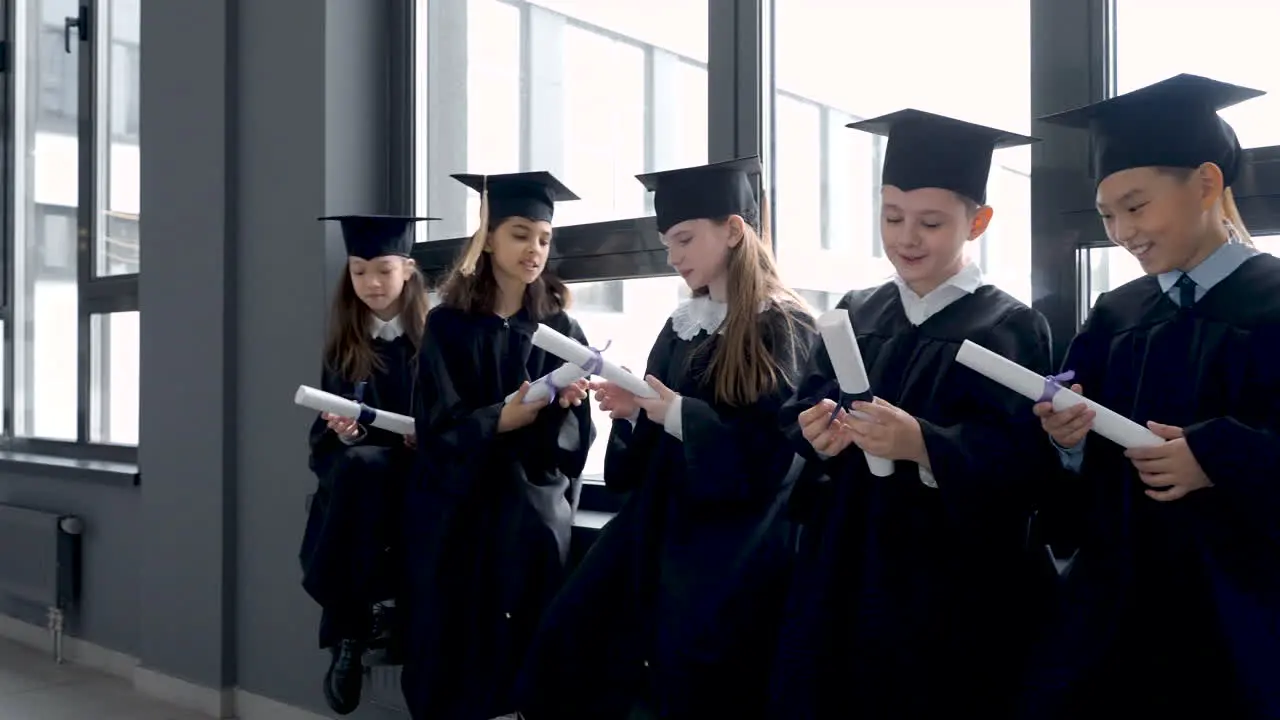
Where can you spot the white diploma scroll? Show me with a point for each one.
(572, 351)
(540, 390)
(1106, 422)
(321, 401)
(851, 373)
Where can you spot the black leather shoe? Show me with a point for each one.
(342, 684)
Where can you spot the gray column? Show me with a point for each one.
(284, 117)
(185, 565)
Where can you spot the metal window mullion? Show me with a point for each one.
(8, 25)
(1067, 36)
(825, 172)
(86, 230)
(402, 155)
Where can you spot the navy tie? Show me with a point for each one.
(1186, 291)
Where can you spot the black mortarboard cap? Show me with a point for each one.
(373, 236)
(1173, 123)
(531, 195)
(928, 150)
(705, 191)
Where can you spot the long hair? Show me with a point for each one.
(472, 287)
(1230, 212)
(348, 350)
(743, 367)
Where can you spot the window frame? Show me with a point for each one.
(96, 295)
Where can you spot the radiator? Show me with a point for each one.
(40, 562)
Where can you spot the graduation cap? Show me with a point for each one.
(531, 195)
(1173, 123)
(374, 236)
(928, 150)
(705, 191)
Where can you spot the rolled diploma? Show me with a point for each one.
(572, 351)
(1106, 422)
(321, 401)
(540, 389)
(851, 373)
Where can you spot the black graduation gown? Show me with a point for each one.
(348, 547)
(909, 601)
(1172, 609)
(675, 605)
(489, 515)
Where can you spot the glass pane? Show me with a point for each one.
(1110, 267)
(114, 379)
(1156, 39)
(594, 92)
(117, 232)
(46, 195)
(649, 302)
(493, 108)
(827, 171)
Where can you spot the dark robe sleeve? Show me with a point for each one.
(1065, 494)
(447, 429)
(729, 451)
(622, 472)
(545, 430)
(816, 383)
(1241, 462)
(1000, 451)
(324, 442)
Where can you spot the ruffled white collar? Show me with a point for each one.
(699, 315)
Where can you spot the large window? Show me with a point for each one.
(840, 62)
(596, 93)
(71, 365)
(1151, 42)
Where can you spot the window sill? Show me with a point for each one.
(591, 519)
(100, 471)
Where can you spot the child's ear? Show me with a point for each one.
(981, 221)
(1210, 179)
(737, 230)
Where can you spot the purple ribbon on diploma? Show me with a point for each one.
(593, 367)
(1053, 383)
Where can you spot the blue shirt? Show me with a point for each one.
(1213, 270)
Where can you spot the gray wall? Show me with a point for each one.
(258, 117)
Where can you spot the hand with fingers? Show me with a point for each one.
(347, 429)
(1069, 426)
(615, 400)
(517, 413)
(828, 436)
(573, 394)
(887, 431)
(657, 407)
(1169, 470)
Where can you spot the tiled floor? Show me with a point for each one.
(33, 687)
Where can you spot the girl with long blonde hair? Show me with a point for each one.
(670, 613)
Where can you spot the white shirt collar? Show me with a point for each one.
(920, 309)
(385, 329)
